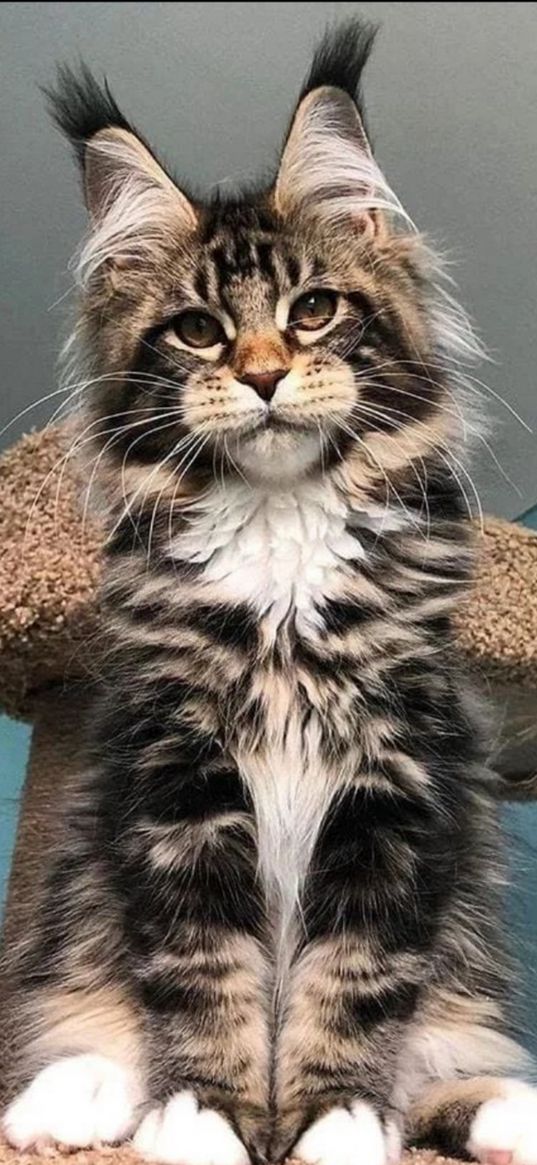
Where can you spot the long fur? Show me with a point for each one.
(272, 926)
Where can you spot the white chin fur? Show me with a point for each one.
(269, 455)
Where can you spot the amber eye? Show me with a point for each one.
(313, 310)
(198, 329)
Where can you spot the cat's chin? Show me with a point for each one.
(277, 456)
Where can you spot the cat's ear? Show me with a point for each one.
(327, 166)
(118, 165)
(132, 202)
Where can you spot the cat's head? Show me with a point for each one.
(272, 334)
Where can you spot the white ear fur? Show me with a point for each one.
(131, 200)
(327, 166)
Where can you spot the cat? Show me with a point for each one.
(273, 924)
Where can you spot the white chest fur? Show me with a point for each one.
(277, 550)
(282, 552)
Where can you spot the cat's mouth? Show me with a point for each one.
(279, 424)
(276, 449)
(273, 422)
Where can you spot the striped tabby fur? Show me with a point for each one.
(273, 925)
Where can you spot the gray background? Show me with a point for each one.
(452, 97)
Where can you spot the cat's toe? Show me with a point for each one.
(504, 1130)
(345, 1136)
(78, 1102)
(181, 1133)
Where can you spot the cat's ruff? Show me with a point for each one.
(278, 549)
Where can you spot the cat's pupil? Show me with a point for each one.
(198, 329)
(313, 309)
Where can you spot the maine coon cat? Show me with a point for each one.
(273, 924)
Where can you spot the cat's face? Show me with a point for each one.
(271, 335)
(263, 343)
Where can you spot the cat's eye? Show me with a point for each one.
(198, 329)
(313, 310)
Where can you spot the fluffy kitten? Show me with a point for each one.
(273, 924)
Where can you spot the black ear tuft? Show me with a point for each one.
(81, 107)
(340, 59)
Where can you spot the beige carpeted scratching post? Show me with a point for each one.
(50, 650)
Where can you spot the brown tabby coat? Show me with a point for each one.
(278, 895)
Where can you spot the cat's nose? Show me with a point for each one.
(264, 383)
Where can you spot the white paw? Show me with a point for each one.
(504, 1130)
(181, 1133)
(348, 1136)
(78, 1101)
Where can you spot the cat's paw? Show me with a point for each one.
(504, 1130)
(78, 1102)
(345, 1136)
(181, 1133)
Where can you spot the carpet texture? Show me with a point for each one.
(49, 569)
(123, 1156)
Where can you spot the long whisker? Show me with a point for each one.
(468, 380)
(193, 450)
(321, 449)
(233, 462)
(60, 462)
(333, 443)
(40, 401)
(368, 376)
(449, 369)
(477, 435)
(371, 456)
(183, 443)
(184, 505)
(129, 502)
(116, 435)
(77, 387)
(422, 484)
(174, 495)
(169, 421)
(439, 445)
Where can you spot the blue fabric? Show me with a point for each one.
(521, 920)
(529, 518)
(14, 746)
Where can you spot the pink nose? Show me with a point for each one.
(264, 383)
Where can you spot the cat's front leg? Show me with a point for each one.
(142, 984)
(337, 1055)
(369, 909)
(195, 918)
